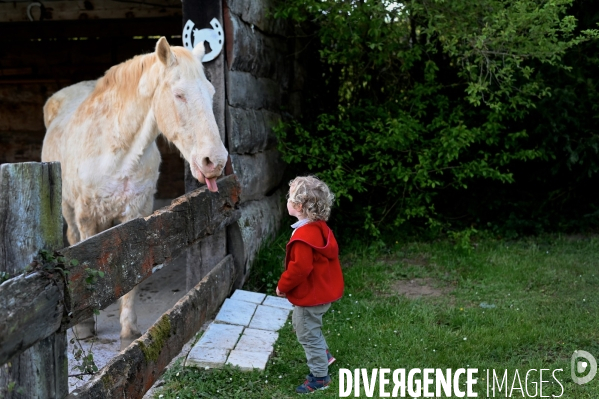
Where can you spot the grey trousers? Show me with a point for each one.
(307, 322)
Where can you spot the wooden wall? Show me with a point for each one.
(38, 58)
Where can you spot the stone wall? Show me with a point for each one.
(261, 86)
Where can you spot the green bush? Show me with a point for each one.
(415, 105)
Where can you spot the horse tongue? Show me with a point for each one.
(211, 183)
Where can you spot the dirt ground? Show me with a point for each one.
(419, 287)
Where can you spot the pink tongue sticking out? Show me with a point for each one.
(211, 183)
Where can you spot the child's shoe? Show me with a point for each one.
(330, 357)
(313, 384)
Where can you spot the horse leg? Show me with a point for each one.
(83, 228)
(128, 318)
(72, 230)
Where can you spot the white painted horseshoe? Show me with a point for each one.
(34, 4)
(215, 37)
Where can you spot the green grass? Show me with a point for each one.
(545, 292)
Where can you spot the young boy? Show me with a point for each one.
(312, 277)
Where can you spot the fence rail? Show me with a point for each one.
(37, 305)
(134, 371)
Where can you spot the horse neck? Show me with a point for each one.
(145, 137)
(129, 89)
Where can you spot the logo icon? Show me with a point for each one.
(214, 37)
(583, 366)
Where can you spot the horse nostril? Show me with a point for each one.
(207, 163)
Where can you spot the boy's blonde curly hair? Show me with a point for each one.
(313, 195)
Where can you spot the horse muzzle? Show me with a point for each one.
(208, 173)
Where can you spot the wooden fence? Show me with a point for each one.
(39, 305)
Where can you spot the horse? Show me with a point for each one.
(104, 132)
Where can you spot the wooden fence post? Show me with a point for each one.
(30, 220)
(201, 12)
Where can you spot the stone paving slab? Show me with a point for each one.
(236, 312)
(269, 318)
(223, 336)
(278, 302)
(229, 340)
(254, 340)
(201, 356)
(248, 361)
(248, 296)
(261, 333)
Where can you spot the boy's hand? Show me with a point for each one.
(279, 293)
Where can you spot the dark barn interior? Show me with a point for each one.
(48, 45)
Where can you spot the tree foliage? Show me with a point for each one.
(415, 101)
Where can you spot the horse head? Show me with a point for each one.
(182, 105)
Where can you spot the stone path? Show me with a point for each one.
(243, 332)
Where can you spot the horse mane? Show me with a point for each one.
(126, 75)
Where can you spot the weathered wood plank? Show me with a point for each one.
(201, 12)
(39, 372)
(201, 256)
(90, 28)
(30, 212)
(87, 10)
(22, 106)
(135, 370)
(20, 146)
(129, 253)
(30, 303)
(30, 220)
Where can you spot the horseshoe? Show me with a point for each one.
(35, 4)
(215, 37)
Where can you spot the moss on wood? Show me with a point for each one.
(159, 334)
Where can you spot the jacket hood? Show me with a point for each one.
(314, 234)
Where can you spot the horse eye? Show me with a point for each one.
(180, 97)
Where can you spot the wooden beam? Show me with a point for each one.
(127, 254)
(134, 371)
(45, 30)
(88, 10)
(131, 252)
(201, 13)
(31, 220)
(31, 304)
(30, 212)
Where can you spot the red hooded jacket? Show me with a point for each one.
(312, 273)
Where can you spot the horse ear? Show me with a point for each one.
(164, 53)
(199, 51)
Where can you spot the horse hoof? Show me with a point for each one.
(85, 329)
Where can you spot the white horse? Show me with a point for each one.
(103, 133)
